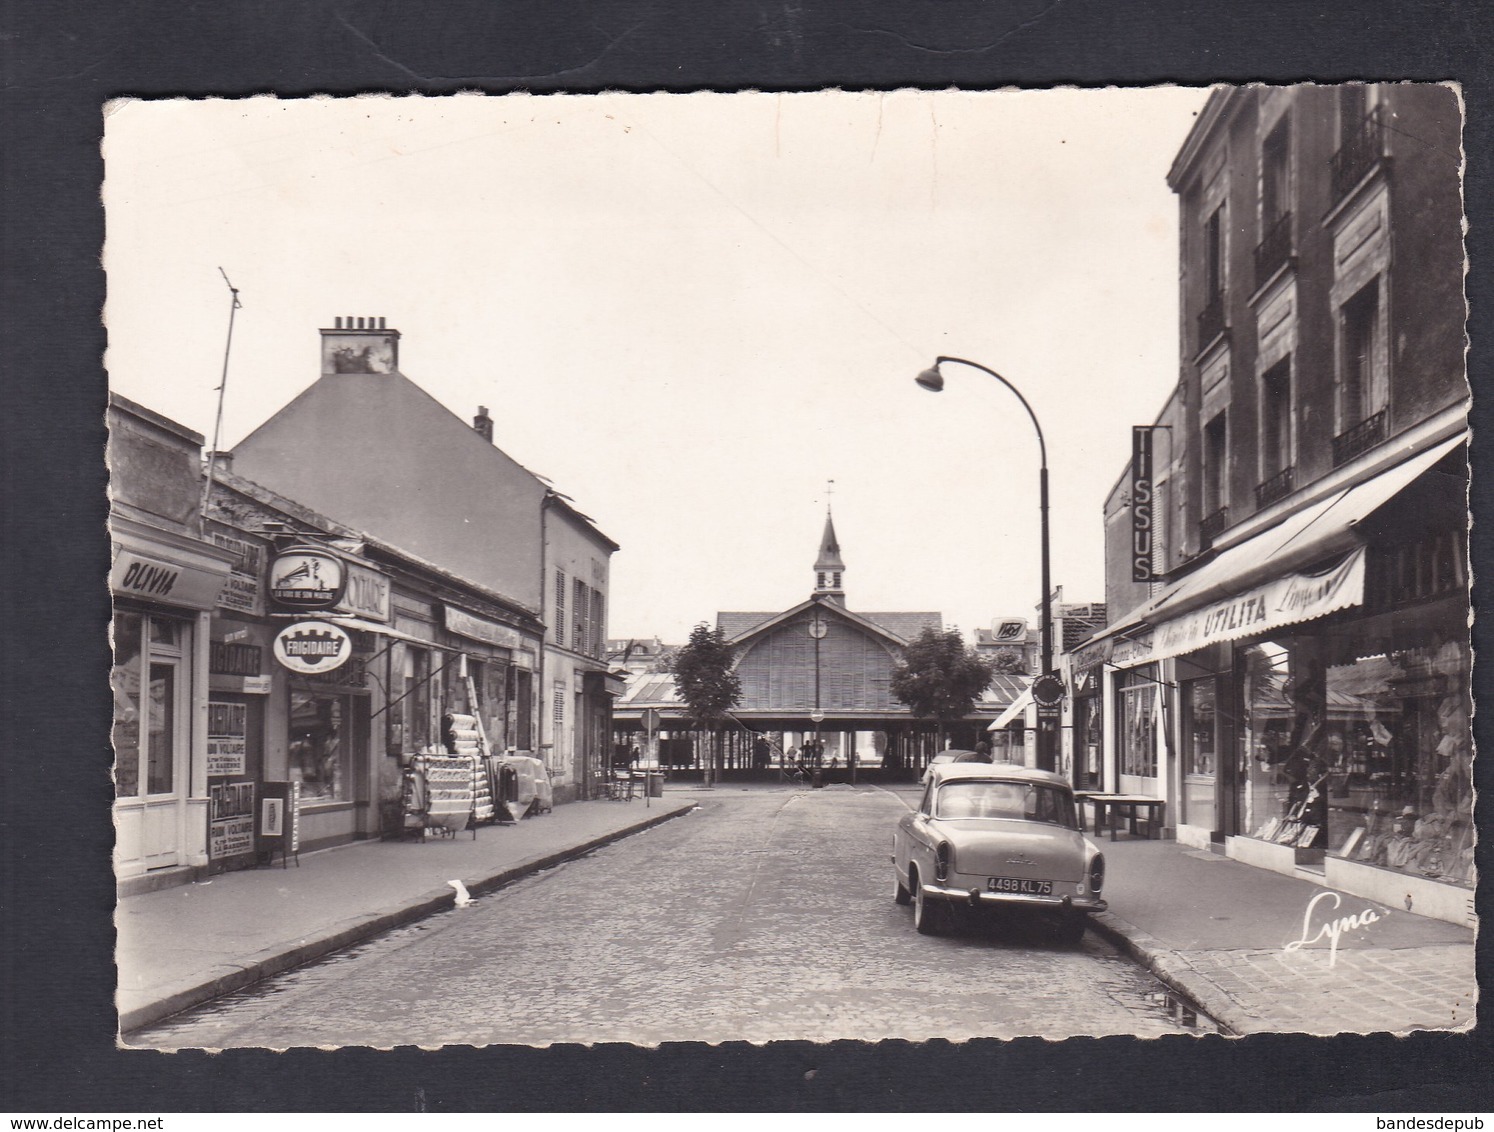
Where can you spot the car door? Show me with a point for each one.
(915, 840)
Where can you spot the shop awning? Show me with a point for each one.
(1264, 568)
(1015, 711)
(380, 629)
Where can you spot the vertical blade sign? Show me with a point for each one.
(1141, 504)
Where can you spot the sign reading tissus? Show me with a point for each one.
(306, 578)
(311, 647)
(1141, 503)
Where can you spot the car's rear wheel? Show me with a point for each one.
(928, 915)
(900, 893)
(1071, 930)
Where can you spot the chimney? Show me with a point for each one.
(359, 344)
(483, 424)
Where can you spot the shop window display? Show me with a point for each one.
(1200, 752)
(319, 746)
(1137, 724)
(1362, 752)
(145, 757)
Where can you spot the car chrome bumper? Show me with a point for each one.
(975, 897)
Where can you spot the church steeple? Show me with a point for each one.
(828, 566)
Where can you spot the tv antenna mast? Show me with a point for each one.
(212, 460)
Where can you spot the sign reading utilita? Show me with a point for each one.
(312, 647)
(306, 578)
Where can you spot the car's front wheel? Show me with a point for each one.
(900, 893)
(928, 915)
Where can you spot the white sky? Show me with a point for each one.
(691, 311)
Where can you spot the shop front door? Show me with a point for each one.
(151, 682)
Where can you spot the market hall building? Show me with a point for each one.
(815, 672)
(1293, 679)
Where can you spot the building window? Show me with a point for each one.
(1362, 385)
(1276, 430)
(1214, 255)
(1276, 156)
(599, 624)
(837, 579)
(560, 606)
(821, 582)
(1215, 479)
(319, 744)
(557, 715)
(578, 616)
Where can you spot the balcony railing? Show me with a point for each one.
(1211, 321)
(1359, 439)
(1360, 152)
(1213, 526)
(1277, 487)
(1275, 250)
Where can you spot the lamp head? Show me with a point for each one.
(931, 379)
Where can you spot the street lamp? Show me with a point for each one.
(932, 380)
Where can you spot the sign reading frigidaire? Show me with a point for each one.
(311, 647)
(303, 577)
(1141, 504)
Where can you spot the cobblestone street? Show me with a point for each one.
(766, 914)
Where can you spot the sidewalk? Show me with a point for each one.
(1217, 931)
(182, 946)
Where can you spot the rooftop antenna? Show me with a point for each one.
(212, 460)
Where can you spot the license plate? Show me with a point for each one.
(1021, 886)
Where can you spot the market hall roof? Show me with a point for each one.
(902, 626)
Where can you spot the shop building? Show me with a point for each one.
(1295, 681)
(368, 445)
(165, 578)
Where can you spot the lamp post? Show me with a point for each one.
(932, 380)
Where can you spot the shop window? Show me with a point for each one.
(1200, 752)
(1136, 724)
(415, 708)
(1363, 751)
(523, 700)
(1089, 726)
(319, 746)
(146, 686)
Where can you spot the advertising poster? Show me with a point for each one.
(227, 744)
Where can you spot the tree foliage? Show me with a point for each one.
(939, 677)
(703, 676)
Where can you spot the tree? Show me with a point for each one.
(939, 678)
(704, 677)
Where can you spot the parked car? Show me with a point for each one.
(953, 756)
(996, 836)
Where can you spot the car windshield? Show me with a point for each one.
(1018, 801)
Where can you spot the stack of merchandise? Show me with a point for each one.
(466, 741)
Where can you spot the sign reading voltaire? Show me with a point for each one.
(304, 577)
(311, 647)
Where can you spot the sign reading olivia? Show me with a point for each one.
(1286, 601)
(312, 647)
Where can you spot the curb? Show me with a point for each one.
(1174, 970)
(283, 957)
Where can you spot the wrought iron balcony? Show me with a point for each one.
(1359, 439)
(1277, 487)
(1360, 152)
(1275, 250)
(1211, 321)
(1213, 526)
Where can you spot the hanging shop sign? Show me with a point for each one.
(227, 741)
(1285, 601)
(465, 624)
(366, 593)
(1141, 504)
(303, 577)
(312, 647)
